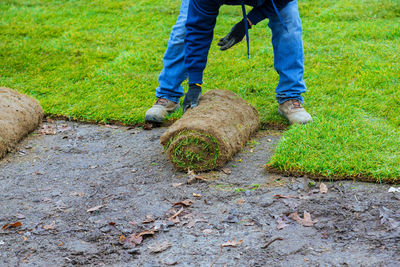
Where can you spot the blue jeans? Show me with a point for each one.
(288, 56)
(174, 71)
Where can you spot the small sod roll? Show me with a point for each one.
(209, 135)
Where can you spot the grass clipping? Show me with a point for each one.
(209, 135)
(19, 115)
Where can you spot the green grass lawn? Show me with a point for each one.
(100, 60)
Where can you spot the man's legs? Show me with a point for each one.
(289, 63)
(173, 73)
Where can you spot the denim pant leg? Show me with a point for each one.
(288, 53)
(174, 71)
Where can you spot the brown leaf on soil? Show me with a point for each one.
(295, 216)
(232, 243)
(11, 225)
(136, 239)
(197, 195)
(226, 171)
(240, 201)
(306, 221)
(186, 203)
(174, 218)
(147, 232)
(157, 248)
(149, 219)
(281, 223)
(323, 189)
(95, 208)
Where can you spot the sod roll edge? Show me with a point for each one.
(209, 135)
(19, 115)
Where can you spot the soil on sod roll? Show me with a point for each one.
(19, 115)
(209, 135)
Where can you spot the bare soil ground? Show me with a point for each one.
(76, 194)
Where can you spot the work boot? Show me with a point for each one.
(160, 109)
(294, 112)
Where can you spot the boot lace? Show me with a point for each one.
(161, 101)
(296, 103)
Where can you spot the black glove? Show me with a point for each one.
(234, 36)
(192, 97)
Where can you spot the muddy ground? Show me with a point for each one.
(107, 196)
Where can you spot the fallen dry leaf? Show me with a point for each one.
(95, 208)
(226, 171)
(240, 201)
(232, 243)
(12, 225)
(323, 189)
(157, 248)
(147, 232)
(197, 195)
(186, 203)
(136, 239)
(149, 219)
(174, 218)
(281, 223)
(306, 221)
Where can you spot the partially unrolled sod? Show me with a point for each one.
(19, 115)
(209, 135)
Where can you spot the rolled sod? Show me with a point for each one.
(19, 115)
(206, 137)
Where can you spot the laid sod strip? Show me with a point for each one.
(100, 60)
(19, 115)
(209, 135)
(341, 148)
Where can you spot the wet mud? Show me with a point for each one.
(87, 195)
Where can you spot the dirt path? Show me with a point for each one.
(130, 188)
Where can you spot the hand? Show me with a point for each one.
(236, 35)
(192, 97)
